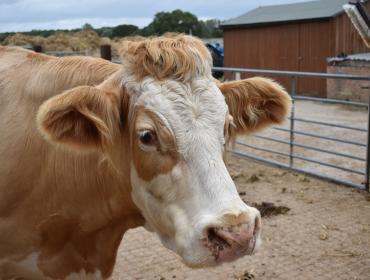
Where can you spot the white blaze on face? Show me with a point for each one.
(197, 192)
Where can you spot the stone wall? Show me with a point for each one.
(351, 90)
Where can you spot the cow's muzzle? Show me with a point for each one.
(227, 243)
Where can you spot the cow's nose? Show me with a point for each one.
(227, 243)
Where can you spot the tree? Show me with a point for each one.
(104, 31)
(3, 36)
(124, 30)
(175, 21)
(87, 26)
(213, 28)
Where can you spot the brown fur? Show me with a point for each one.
(147, 164)
(177, 57)
(255, 103)
(83, 117)
(71, 208)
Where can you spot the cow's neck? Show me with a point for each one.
(79, 201)
(103, 211)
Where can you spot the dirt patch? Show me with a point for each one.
(268, 209)
(245, 276)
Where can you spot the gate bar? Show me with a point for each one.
(367, 171)
(300, 170)
(321, 137)
(332, 125)
(310, 148)
(302, 158)
(331, 101)
(292, 73)
(291, 137)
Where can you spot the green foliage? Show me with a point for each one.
(124, 30)
(104, 31)
(175, 21)
(213, 28)
(87, 26)
(3, 36)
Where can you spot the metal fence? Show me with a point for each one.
(67, 53)
(292, 144)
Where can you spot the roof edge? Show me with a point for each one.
(272, 23)
(236, 25)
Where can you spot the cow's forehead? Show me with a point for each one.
(188, 108)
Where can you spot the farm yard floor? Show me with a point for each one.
(324, 235)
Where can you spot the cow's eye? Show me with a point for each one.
(147, 137)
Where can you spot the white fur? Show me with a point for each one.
(198, 191)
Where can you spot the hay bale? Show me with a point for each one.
(85, 40)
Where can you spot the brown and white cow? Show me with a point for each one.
(89, 149)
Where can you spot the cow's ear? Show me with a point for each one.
(255, 103)
(83, 117)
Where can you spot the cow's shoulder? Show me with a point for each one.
(40, 76)
(80, 70)
(12, 58)
(15, 59)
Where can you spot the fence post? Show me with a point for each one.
(237, 76)
(37, 48)
(292, 113)
(367, 171)
(106, 52)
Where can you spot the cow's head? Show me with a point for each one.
(166, 121)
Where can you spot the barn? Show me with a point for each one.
(297, 37)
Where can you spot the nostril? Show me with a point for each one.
(214, 237)
(211, 234)
(257, 225)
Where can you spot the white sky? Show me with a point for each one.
(25, 15)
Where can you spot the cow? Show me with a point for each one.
(90, 149)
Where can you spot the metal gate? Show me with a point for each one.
(292, 133)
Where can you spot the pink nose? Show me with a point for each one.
(231, 242)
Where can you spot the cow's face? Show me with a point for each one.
(176, 125)
(179, 179)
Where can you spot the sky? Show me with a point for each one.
(25, 15)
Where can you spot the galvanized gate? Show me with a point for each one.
(291, 142)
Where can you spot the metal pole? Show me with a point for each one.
(292, 73)
(366, 182)
(291, 139)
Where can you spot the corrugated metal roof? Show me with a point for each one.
(289, 12)
(352, 57)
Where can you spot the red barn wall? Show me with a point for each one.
(297, 46)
